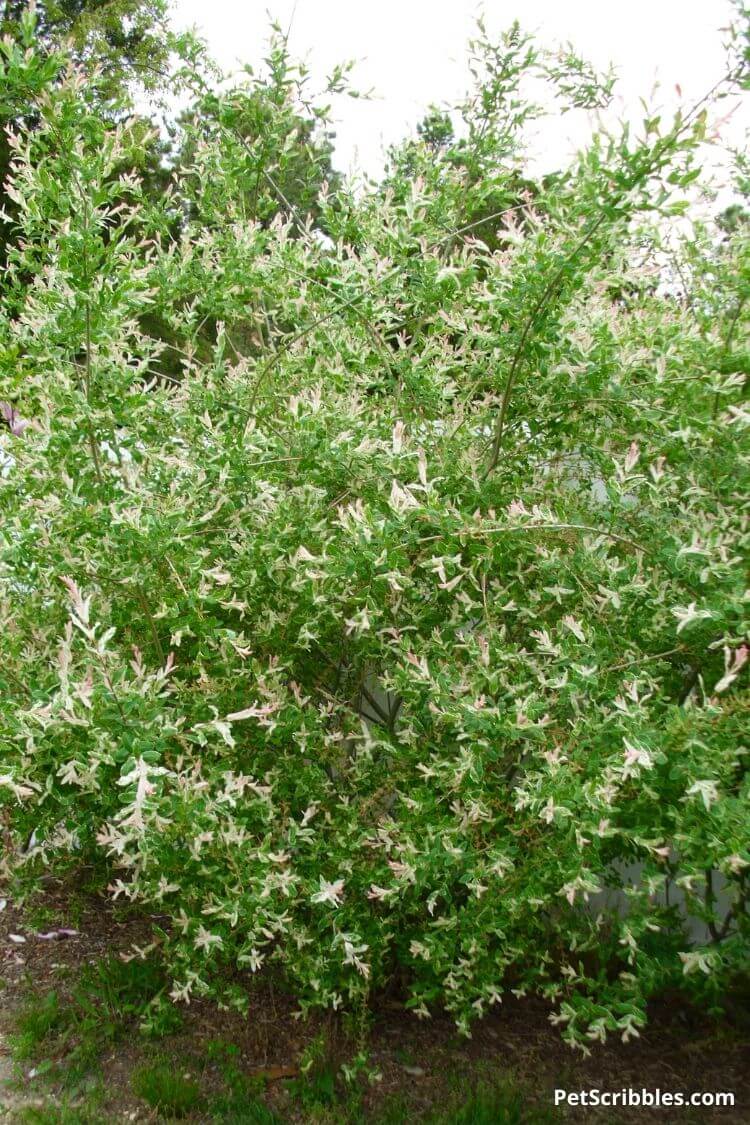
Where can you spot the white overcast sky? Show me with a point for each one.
(413, 53)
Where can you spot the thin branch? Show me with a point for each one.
(530, 325)
(549, 290)
(530, 527)
(150, 617)
(728, 344)
(642, 660)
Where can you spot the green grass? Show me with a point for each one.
(35, 1023)
(503, 1104)
(236, 1110)
(81, 1112)
(239, 1103)
(59, 1115)
(166, 1090)
(40, 917)
(67, 1038)
(103, 1005)
(119, 989)
(316, 1089)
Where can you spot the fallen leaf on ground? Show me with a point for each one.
(274, 1073)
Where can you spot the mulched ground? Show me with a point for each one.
(680, 1050)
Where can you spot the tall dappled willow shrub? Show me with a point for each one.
(376, 649)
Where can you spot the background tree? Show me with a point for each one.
(127, 39)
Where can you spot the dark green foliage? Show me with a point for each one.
(127, 38)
